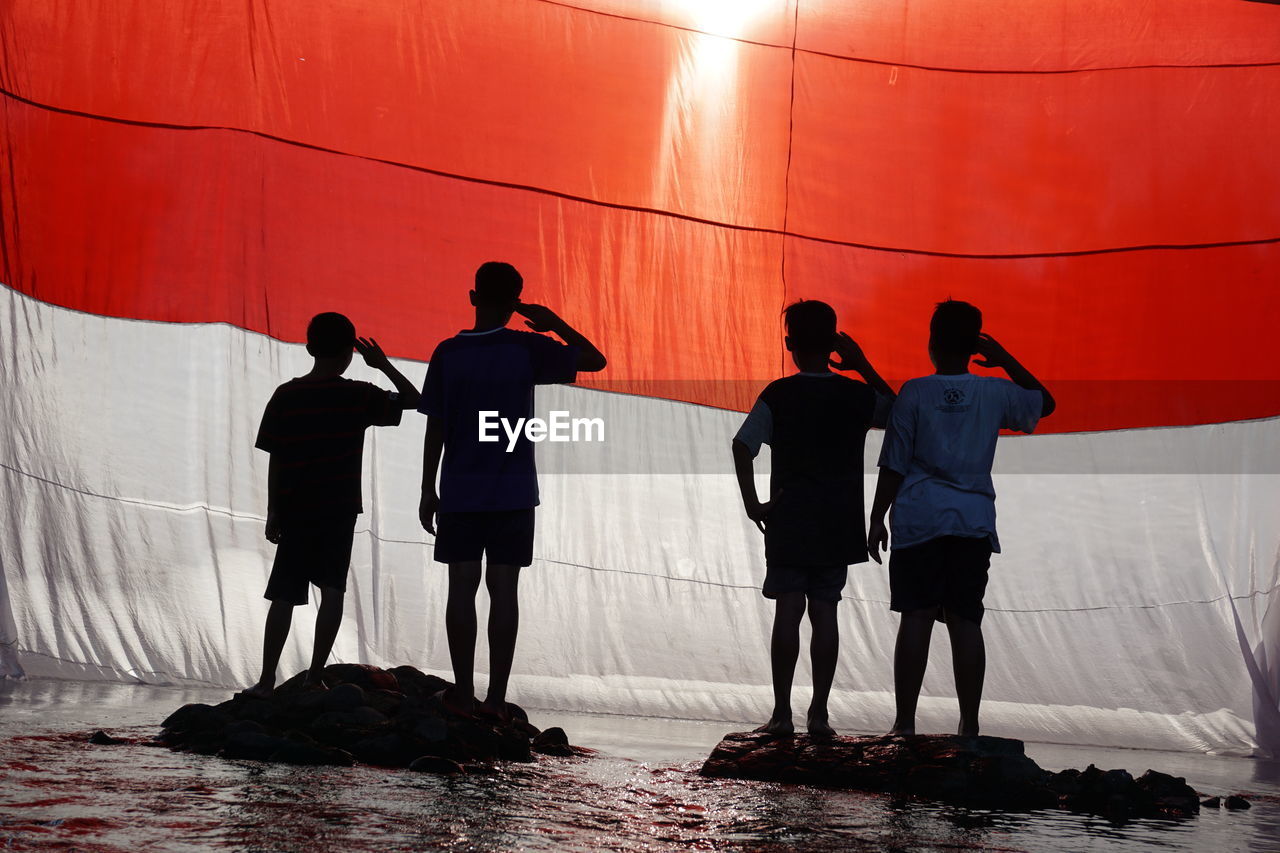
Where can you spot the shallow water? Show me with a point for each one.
(641, 793)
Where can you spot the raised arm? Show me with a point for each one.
(542, 319)
(851, 357)
(432, 447)
(995, 355)
(377, 359)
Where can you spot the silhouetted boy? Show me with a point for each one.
(935, 471)
(488, 491)
(313, 428)
(816, 423)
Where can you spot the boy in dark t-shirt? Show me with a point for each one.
(489, 486)
(313, 427)
(816, 423)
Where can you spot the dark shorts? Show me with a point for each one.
(504, 537)
(311, 551)
(823, 583)
(949, 573)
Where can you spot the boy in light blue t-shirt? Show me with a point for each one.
(935, 472)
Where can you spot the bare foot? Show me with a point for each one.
(463, 706)
(819, 727)
(494, 711)
(778, 727)
(902, 731)
(261, 690)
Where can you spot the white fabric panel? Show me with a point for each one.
(1136, 603)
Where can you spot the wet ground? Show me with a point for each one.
(641, 793)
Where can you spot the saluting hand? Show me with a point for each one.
(540, 318)
(372, 353)
(851, 356)
(993, 354)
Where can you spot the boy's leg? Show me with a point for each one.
(910, 657)
(274, 635)
(503, 582)
(460, 626)
(824, 650)
(969, 662)
(328, 621)
(784, 650)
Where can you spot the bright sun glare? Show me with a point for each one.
(724, 17)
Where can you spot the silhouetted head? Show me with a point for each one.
(331, 335)
(497, 291)
(953, 331)
(811, 327)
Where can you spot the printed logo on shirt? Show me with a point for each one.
(953, 401)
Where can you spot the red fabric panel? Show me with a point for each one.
(1043, 35)
(1035, 164)
(529, 93)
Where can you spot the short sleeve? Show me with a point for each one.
(381, 407)
(431, 401)
(270, 428)
(757, 429)
(900, 433)
(1022, 407)
(553, 362)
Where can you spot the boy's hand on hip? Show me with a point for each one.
(851, 356)
(273, 528)
(427, 510)
(993, 354)
(540, 318)
(372, 353)
(877, 538)
(759, 512)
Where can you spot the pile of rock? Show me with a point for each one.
(388, 718)
(982, 772)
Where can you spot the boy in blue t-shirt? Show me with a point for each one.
(488, 489)
(935, 472)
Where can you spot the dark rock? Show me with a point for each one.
(386, 701)
(982, 772)
(417, 684)
(344, 697)
(424, 726)
(513, 745)
(1235, 801)
(252, 745)
(362, 675)
(435, 764)
(1211, 803)
(362, 716)
(297, 752)
(553, 742)
(383, 718)
(101, 738)
(388, 750)
(196, 717)
(553, 735)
